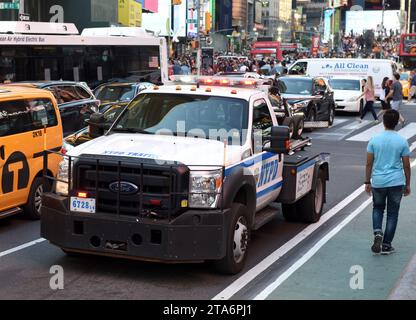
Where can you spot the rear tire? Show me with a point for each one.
(289, 122)
(34, 204)
(309, 208)
(299, 127)
(238, 235)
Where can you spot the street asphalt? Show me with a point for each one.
(24, 274)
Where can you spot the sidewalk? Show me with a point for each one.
(326, 276)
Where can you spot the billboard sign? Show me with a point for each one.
(359, 21)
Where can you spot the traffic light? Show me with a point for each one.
(176, 2)
(208, 22)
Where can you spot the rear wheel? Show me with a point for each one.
(299, 127)
(34, 204)
(309, 209)
(289, 122)
(238, 236)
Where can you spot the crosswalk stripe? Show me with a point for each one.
(338, 122)
(408, 131)
(367, 134)
(357, 125)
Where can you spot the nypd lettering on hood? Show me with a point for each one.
(140, 155)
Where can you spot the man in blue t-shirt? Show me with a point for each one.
(387, 179)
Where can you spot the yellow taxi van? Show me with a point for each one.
(29, 123)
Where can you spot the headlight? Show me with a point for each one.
(204, 189)
(62, 187)
(301, 105)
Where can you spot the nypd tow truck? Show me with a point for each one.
(185, 174)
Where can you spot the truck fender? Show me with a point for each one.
(240, 187)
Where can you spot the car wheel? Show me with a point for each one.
(299, 127)
(33, 207)
(309, 208)
(237, 241)
(289, 122)
(331, 117)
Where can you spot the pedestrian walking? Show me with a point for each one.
(369, 93)
(388, 177)
(396, 94)
(412, 89)
(385, 104)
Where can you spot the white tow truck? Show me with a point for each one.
(185, 174)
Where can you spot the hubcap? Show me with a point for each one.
(319, 196)
(38, 198)
(240, 240)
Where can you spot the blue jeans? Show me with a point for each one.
(393, 197)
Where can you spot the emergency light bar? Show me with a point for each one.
(216, 81)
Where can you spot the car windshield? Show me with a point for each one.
(343, 84)
(116, 93)
(186, 115)
(295, 86)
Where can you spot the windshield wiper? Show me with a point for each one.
(132, 130)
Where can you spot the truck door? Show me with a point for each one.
(267, 169)
(16, 150)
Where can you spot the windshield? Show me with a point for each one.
(186, 115)
(340, 84)
(295, 86)
(116, 93)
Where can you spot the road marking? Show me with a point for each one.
(338, 122)
(299, 263)
(250, 275)
(368, 134)
(408, 131)
(282, 278)
(356, 125)
(23, 246)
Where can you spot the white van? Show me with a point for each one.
(329, 68)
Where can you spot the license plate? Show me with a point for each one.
(83, 205)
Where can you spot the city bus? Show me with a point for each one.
(408, 50)
(37, 51)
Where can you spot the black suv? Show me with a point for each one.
(312, 96)
(75, 100)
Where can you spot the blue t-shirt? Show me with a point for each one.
(388, 149)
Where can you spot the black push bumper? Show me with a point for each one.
(196, 235)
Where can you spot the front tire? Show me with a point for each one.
(238, 235)
(331, 116)
(34, 204)
(289, 122)
(299, 127)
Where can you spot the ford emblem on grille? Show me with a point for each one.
(125, 187)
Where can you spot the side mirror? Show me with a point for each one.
(279, 140)
(96, 125)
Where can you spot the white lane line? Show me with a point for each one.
(22, 247)
(357, 125)
(368, 134)
(338, 122)
(250, 275)
(282, 278)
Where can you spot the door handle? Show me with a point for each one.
(2, 155)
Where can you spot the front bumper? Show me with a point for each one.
(348, 106)
(196, 235)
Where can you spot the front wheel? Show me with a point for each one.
(238, 235)
(289, 122)
(331, 117)
(299, 127)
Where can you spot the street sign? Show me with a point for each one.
(24, 17)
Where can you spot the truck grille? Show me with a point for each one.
(160, 188)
